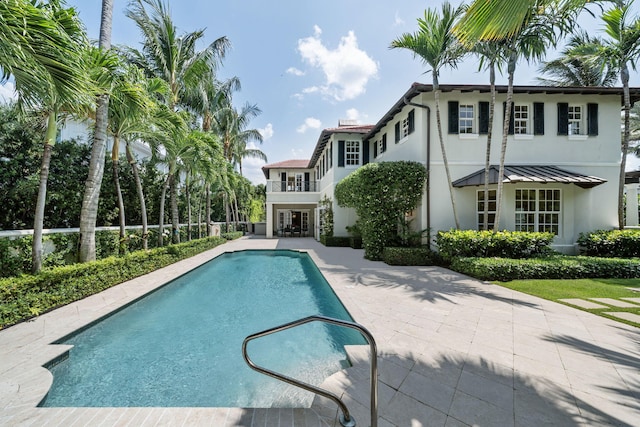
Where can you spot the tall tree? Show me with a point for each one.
(175, 59)
(540, 25)
(37, 89)
(89, 212)
(438, 47)
(579, 64)
(622, 48)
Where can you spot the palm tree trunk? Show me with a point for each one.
(200, 215)
(226, 210)
(436, 94)
(188, 194)
(624, 77)
(163, 197)
(38, 221)
(505, 135)
(89, 211)
(207, 215)
(175, 218)
(487, 161)
(143, 203)
(120, 202)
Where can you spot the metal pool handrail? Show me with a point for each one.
(346, 419)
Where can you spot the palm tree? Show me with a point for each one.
(438, 47)
(37, 89)
(621, 49)
(176, 60)
(89, 211)
(37, 41)
(541, 24)
(491, 55)
(579, 65)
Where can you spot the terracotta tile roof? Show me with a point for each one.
(286, 164)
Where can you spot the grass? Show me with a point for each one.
(554, 290)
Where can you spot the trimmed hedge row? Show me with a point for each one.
(232, 235)
(505, 244)
(24, 297)
(552, 267)
(338, 241)
(410, 256)
(611, 243)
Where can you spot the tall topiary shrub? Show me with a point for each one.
(381, 194)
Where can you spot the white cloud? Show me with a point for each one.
(397, 20)
(296, 153)
(7, 92)
(353, 114)
(309, 123)
(266, 132)
(295, 71)
(347, 69)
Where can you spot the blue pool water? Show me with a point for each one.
(182, 344)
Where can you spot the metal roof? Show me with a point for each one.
(538, 174)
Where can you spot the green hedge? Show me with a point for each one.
(24, 297)
(355, 242)
(410, 256)
(232, 235)
(334, 241)
(504, 244)
(551, 267)
(611, 243)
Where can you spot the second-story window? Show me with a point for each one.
(575, 120)
(466, 118)
(521, 119)
(352, 153)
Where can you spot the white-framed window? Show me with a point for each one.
(352, 153)
(521, 119)
(299, 181)
(404, 127)
(576, 120)
(480, 206)
(466, 119)
(538, 210)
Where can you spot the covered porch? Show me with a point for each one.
(292, 220)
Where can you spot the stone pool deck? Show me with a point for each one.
(453, 351)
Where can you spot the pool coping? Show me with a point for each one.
(437, 331)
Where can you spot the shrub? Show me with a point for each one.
(506, 244)
(611, 243)
(410, 256)
(334, 241)
(381, 193)
(232, 235)
(551, 267)
(355, 242)
(24, 297)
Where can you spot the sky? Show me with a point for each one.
(307, 65)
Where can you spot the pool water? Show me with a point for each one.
(182, 344)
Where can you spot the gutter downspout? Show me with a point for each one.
(426, 107)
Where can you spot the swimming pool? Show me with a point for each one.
(181, 345)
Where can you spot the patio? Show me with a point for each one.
(453, 351)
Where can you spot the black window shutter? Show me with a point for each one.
(411, 121)
(283, 181)
(453, 117)
(563, 118)
(538, 118)
(365, 152)
(397, 132)
(330, 154)
(592, 119)
(375, 149)
(384, 142)
(511, 118)
(483, 127)
(268, 173)
(340, 154)
(306, 181)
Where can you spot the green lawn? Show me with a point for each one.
(581, 288)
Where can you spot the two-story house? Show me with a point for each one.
(562, 158)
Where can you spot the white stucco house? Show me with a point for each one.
(562, 161)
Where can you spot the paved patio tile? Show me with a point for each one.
(453, 352)
(635, 300)
(632, 317)
(615, 302)
(582, 303)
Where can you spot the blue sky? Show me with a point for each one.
(307, 64)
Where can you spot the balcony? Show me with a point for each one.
(288, 187)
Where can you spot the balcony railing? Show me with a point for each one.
(287, 187)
